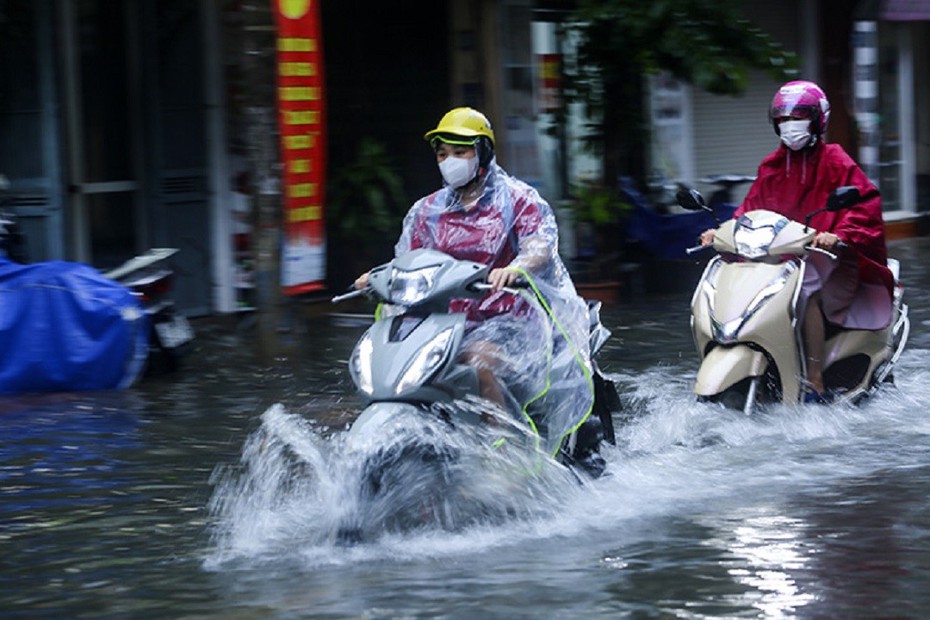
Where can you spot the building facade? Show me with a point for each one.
(121, 121)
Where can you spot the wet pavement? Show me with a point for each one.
(149, 503)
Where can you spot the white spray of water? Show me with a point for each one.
(294, 488)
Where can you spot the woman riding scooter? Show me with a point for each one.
(855, 291)
(485, 215)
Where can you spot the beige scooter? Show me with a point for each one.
(745, 320)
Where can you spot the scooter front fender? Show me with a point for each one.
(723, 367)
(376, 417)
(381, 421)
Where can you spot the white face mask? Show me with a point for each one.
(795, 134)
(458, 171)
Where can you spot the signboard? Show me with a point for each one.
(301, 120)
(550, 73)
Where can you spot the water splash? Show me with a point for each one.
(295, 490)
(295, 487)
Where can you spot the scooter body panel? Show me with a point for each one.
(853, 357)
(724, 367)
(397, 343)
(751, 305)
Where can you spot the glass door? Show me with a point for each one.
(103, 125)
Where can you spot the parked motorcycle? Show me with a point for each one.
(65, 326)
(722, 197)
(12, 240)
(151, 280)
(745, 319)
(407, 369)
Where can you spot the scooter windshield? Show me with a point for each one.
(411, 287)
(754, 236)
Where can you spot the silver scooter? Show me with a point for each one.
(746, 324)
(409, 358)
(419, 394)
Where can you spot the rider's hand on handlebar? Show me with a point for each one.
(361, 281)
(707, 237)
(826, 241)
(499, 278)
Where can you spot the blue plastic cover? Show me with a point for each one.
(668, 235)
(64, 327)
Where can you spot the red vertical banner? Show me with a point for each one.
(301, 121)
(550, 77)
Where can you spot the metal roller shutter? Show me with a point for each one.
(731, 135)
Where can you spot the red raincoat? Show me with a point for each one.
(798, 183)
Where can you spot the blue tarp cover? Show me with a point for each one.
(64, 326)
(668, 235)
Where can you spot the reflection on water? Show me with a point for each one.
(198, 497)
(766, 552)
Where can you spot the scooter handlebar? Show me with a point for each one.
(695, 249)
(519, 283)
(350, 295)
(822, 251)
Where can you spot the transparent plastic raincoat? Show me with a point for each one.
(540, 337)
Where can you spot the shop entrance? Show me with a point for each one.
(136, 148)
(103, 123)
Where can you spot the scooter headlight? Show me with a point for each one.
(360, 364)
(753, 243)
(430, 357)
(411, 287)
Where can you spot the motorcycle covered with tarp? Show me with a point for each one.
(64, 326)
(421, 398)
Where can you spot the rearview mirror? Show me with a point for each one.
(843, 198)
(691, 200)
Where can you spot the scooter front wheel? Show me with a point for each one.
(745, 395)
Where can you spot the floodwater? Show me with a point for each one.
(218, 493)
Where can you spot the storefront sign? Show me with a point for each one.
(550, 73)
(301, 119)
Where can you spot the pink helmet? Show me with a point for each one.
(802, 99)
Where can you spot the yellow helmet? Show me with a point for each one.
(465, 122)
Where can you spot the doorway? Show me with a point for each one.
(136, 151)
(103, 121)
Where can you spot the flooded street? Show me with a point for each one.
(215, 493)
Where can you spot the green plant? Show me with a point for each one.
(366, 200)
(599, 205)
(620, 43)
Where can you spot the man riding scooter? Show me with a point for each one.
(483, 214)
(795, 180)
